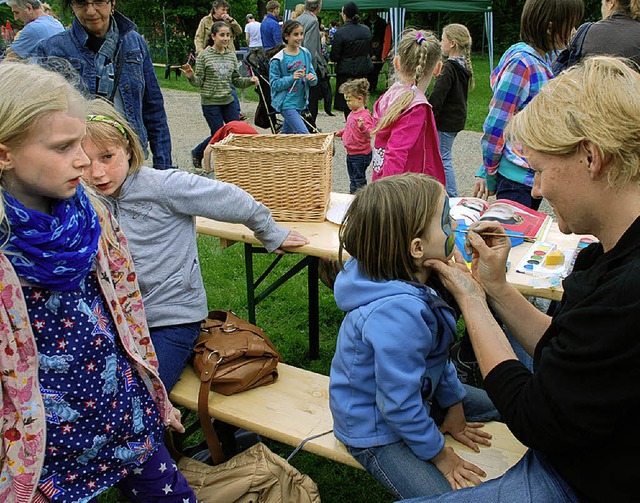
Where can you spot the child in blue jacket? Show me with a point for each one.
(393, 389)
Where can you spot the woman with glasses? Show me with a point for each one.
(114, 62)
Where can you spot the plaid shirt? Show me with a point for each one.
(518, 77)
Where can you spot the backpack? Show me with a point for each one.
(573, 53)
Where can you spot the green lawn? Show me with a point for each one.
(478, 98)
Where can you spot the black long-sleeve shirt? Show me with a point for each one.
(580, 406)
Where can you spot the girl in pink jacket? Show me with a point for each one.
(406, 139)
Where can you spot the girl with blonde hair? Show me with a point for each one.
(576, 408)
(406, 138)
(156, 210)
(83, 408)
(449, 95)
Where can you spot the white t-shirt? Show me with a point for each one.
(252, 31)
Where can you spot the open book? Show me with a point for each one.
(512, 215)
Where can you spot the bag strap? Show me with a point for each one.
(210, 435)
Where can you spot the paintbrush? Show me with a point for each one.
(526, 239)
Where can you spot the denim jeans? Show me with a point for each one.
(357, 168)
(530, 480)
(446, 147)
(402, 472)
(514, 191)
(234, 93)
(174, 347)
(216, 116)
(293, 123)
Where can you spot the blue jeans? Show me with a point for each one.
(174, 347)
(530, 480)
(234, 93)
(357, 165)
(402, 472)
(216, 116)
(293, 123)
(515, 191)
(446, 148)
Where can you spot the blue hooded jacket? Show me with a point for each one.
(391, 360)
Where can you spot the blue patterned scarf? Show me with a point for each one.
(55, 251)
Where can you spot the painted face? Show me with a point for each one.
(221, 38)
(296, 37)
(94, 16)
(108, 169)
(438, 240)
(49, 164)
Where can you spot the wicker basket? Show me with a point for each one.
(290, 174)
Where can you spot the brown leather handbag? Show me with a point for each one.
(231, 355)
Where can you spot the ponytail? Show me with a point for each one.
(634, 9)
(395, 110)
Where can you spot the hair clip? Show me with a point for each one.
(420, 38)
(107, 120)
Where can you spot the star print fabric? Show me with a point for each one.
(101, 420)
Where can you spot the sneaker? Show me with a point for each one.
(468, 371)
(197, 162)
(243, 117)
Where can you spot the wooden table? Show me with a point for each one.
(323, 243)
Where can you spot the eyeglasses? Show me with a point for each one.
(97, 4)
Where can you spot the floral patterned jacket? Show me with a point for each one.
(22, 423)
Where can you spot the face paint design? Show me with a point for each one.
(447, 228)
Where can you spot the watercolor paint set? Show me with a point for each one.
(546, 259)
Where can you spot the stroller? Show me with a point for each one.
(266, 115)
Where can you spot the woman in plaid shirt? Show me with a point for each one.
(545, 26)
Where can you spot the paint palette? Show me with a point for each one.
(546, 259)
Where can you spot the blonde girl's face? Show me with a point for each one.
(447, 45)
(49, 164)
(109, 167)
(296, 37)
(221, 38)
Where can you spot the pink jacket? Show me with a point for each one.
(410, 144)
(356, 139)
(22, 425)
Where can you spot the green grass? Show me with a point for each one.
(478, 103)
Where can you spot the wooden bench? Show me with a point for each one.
(296, 407)
(168, 69)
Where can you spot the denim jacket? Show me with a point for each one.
(138, 85)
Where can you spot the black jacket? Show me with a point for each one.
(580, 406)
(351, 50)
(449, 97)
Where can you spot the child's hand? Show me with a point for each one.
(187, 70)
(468, 434)
(255, 80)
(310, 77)
(292, 240)
(360, 122)
(174, 421)
(298, 74)
(457, 471)
(339, 133)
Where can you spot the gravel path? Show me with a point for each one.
(188, 128)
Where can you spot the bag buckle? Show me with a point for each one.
(214, 352)
(229, 328)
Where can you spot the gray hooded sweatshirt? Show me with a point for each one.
(157, 210)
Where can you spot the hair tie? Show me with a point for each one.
(111, 122)
(420, 38)
(414, 87)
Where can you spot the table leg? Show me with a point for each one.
(251, 290)
(314, 308)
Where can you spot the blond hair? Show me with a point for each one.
(597, 101)
(384, 218)
(459, 34)
(20, 111)
(418, 54)
(356, 88)
(629, 7)
(105, 133)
